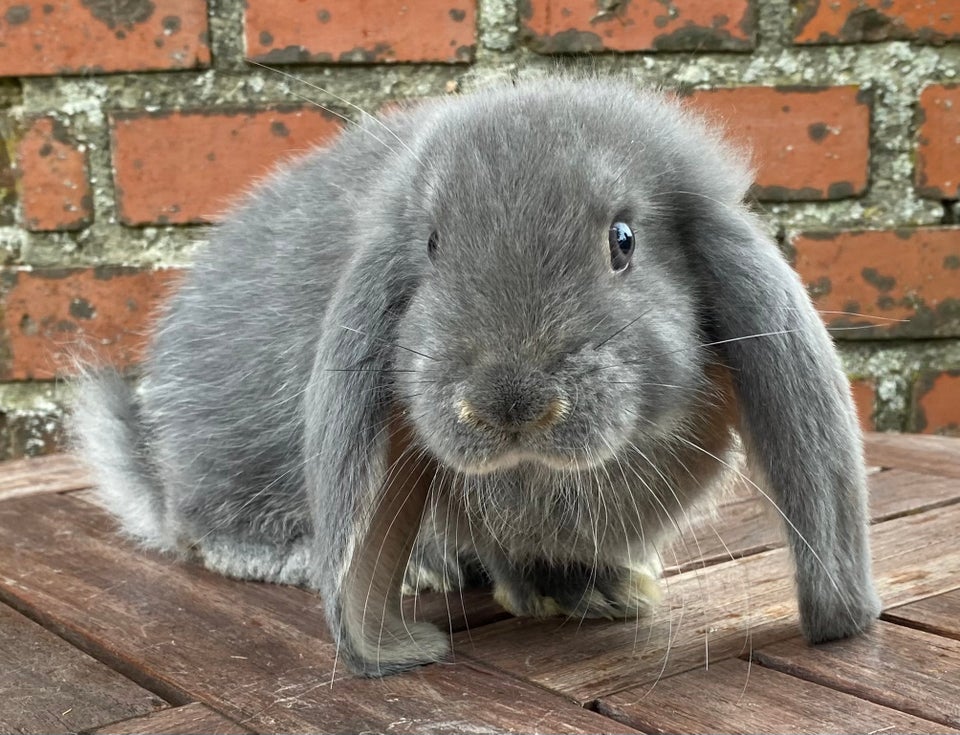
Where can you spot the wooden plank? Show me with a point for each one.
(939, 614)
(185, 720)
(897, 492)
(258, 653)
(897, 667)
(52, 474)
(709, 614)
(747, 523)
(47, 685)
(734, 697)
(741, 525)
(924, 453)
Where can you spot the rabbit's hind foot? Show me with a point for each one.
(288, 563)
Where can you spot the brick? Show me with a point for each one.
(76, 36)
(808, 143)
(576, 26)
(186, 167)
(908, 275)
(345, 31)
(51, 315)
(938, 150)
(54, 178)
(864, 391)
(936, 403)
(856, 21)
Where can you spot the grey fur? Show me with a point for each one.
(325, 405)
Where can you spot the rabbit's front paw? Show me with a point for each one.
(525, 602)
(612, 593)
(581, 591)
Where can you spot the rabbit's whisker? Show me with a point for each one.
(623, 328)
(384, 341)
(373, 118)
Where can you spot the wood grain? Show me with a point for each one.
(52, 474)
(939, 614)
(709, 614)
(924, 453)
(746, 523)
(46, 685)
(741, 525)
(897, 492)
(733, 697)
(185, 720)
(258, 653)
(897, 667)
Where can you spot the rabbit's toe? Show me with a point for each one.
(441, 570)
(637, 590)
(422, 577)
(524, 602)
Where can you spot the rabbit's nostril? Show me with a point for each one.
(556, 411)
(515, 418)
(466, 414)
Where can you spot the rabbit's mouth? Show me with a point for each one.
(513, 457)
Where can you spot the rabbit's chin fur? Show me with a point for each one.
(507, 337)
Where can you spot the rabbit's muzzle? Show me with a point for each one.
(512, 403)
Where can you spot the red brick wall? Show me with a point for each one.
(127, 128)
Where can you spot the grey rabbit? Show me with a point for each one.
(513, 334)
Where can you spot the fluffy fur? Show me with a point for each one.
(329, 401)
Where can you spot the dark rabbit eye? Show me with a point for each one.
(621, 246)
(432, 243)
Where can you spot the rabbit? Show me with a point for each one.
(517, 334)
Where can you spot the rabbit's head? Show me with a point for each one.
(556, 320)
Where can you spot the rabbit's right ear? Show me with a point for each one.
(366, 483)
(797, 417)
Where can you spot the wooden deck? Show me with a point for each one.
(97, 636)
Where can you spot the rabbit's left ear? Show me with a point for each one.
(797, 418)
(366, 481)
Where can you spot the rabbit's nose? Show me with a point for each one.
(514, 404)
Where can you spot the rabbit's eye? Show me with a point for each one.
(621, 246)
(432, 242)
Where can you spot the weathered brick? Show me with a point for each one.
(936, 403)
(912, 276)
(572, 26)
(286, 31)
(183, 167)
(938, 152)
(75, 36)
(52, 315)
(808, 143)
(864, 391)
(856, 21)
(54, 178)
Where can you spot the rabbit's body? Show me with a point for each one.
(489, 326)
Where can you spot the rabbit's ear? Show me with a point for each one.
(366, 482)
(797, 418)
